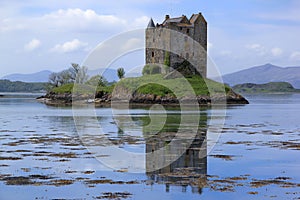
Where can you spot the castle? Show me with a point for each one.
(184, 48)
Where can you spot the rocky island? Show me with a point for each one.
(134, 91)
(175, 72)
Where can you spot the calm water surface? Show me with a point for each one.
(43, 157)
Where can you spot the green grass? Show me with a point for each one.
(81, 89)
(106, 89)
(157, 85)
(67, 88)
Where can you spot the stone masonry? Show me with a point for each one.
(179, 42)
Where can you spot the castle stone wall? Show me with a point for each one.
(182, 44)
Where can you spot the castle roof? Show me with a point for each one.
(194, 17)
(177, 20)
(173, 20)
(151, 24)
(184, 25)
(183, 21)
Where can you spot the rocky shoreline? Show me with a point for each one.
(147, 99)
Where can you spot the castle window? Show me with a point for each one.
(152, 54)
(180, 28)
(187, 152)
(188, 31)
(185, 38)
(187, 55)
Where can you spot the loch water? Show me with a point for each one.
(52, 152)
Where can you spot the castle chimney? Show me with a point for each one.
(167, 17)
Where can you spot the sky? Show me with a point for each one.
(40, 35)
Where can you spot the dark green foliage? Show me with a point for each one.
(106, 89)
(151, 69)
(167, 61)
(156, 88)
(121, 73)
(97, 80)
(186, 69)
(146, 70)
(18, 86)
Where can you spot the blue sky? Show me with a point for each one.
(37, 35)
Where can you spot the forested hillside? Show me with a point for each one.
(18, 86)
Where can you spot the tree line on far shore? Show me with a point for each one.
(18, 86)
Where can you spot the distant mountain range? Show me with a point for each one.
(257, 75)
(265, 74)
(43, 76)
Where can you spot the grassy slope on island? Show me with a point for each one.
(154, 84)
(272, 87)
(157, 85)
(82, 89)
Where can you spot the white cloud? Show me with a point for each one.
(32, 45)
(258, 48)
(141, 22)
(132, 44)
(291, 14)
(276, 51)
(71, 46)
(66, 20)
(262, 50)
(7, 25)
(254, 46)
(295, 56)
(82, 20)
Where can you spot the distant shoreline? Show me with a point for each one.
(267, 88)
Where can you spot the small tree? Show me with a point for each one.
(155, 69)
(75, 67)
(97, 80)
(82, 76)
(121, 73)
(54, 79)
(74, 73)
(65, 77)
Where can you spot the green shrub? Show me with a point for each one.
(151, 69)
(167, 61)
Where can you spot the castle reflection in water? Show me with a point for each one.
(189, 163)
(176, 152)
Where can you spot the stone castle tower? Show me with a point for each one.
(184, 52)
